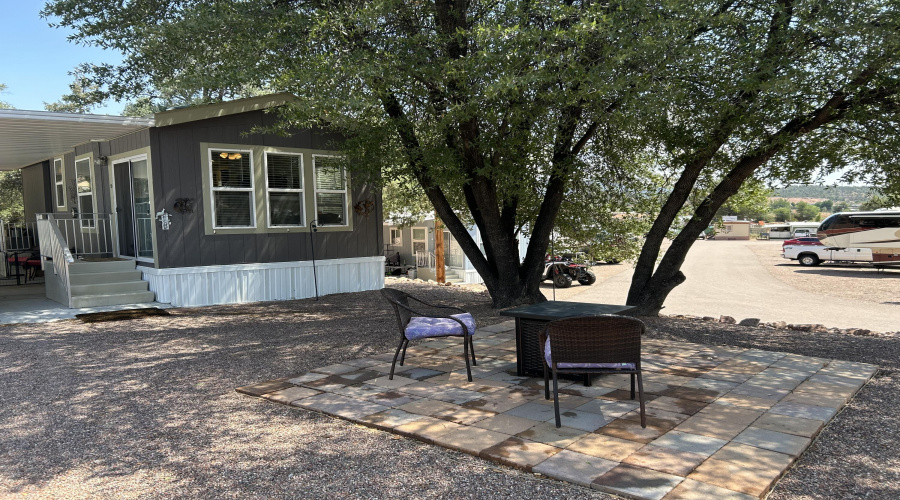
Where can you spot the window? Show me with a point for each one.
(84, 187)
(232, 188)
(284, 182)
(419, 235)
(331, 191)
(396, 236)
(60, 178)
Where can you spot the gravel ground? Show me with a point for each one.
(146, 409)
(852, 281)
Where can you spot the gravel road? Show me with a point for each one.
(146, 409)
(749, 279)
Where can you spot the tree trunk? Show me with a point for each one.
(649, 292)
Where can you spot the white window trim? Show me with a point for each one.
(412, 237)
(399, 236)
(269, 190)
(213, 189)
(60, 200)
(345, 192)
(91, 222)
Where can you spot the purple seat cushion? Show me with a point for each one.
(424, 327)
(603, 366)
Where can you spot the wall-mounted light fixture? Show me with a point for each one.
(100, 161)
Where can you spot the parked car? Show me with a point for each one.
(801, 241)
(813, 255)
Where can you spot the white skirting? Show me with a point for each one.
(231, 284)
(471, 276)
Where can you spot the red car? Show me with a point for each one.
(801, 241)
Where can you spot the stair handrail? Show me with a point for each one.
(53, 246)
(425, 259)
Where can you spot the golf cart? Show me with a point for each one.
(564, 272)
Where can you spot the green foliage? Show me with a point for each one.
(84, 96)
(880, 201)
(11, 209)
(780, 203)
(783, 214)
(750, 203)
(825, 205)
(850, 194)
(3, 104)
(806, 211)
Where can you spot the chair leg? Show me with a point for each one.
(632, 386)
(641, 397)
(403, 356)
(546, 379)
(556, 401)
(466, 355)
(472, 348)
(394, 363)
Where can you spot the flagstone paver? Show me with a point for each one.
(722, 422)
(603, 446)
(575, 467)
(772, 440)
(518, 452)
(690, 489)
(291, 394)
(630, 480)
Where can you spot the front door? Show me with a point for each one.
(133, 215)
(453, 254)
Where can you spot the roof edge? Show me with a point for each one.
(75, 117)
(195, 113)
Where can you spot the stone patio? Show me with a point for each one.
(722, 422)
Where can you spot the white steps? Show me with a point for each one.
(452, 276)
(107, 283)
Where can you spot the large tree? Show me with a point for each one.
(501, 111)
(492, 108)
(775, 89)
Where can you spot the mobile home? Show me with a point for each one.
(205, 207)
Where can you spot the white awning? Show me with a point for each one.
(27, 137)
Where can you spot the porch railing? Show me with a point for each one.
(425, 259)
(53, 247)
(86, 235)
(18, 236)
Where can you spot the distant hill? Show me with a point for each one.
(850, 194)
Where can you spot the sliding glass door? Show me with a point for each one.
(133, 215)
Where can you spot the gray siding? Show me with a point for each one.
(175, 157)
(37, 181)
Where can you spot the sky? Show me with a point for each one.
(36, 59)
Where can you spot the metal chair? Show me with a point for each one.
(415, 324)
(593, 344)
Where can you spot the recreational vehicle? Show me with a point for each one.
(878, 230)
(791, 229)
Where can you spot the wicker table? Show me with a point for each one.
(530, 320)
